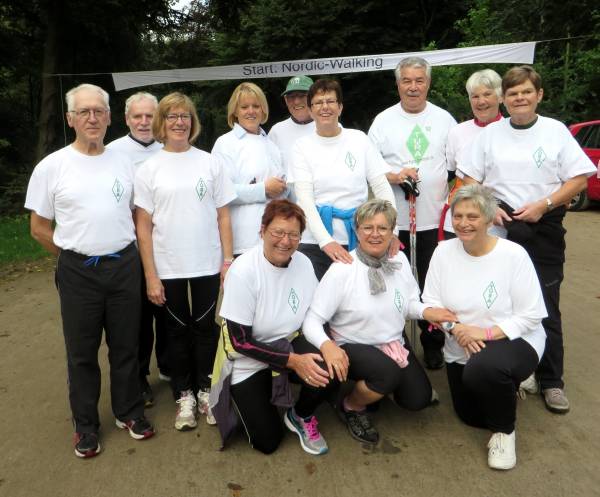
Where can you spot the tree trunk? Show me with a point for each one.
(49, 105)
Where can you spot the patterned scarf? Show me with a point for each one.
(376, 281)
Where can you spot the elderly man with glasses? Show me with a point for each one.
(80, 199)
(300, 123)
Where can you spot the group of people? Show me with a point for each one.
(317, 286)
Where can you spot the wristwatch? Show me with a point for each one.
(448, 326)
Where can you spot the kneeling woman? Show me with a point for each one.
(267, 293)
(497, 340)
(366, 304)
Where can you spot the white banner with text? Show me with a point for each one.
(510, 53)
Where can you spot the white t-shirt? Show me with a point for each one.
(284, 134)
(458, 145)
(273, 300)
(339, 169)
(500, 288)
(182, 191)
(525, 165)
(89, 196)
(248, 160)
(137, 152)
(343, 299)
(416, 140)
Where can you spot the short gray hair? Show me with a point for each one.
(70, 96)
(371, 208)
(486, 77)
(417, 62)
(481, 196)
(136, 97)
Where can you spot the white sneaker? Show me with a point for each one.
(501, 453)
(185, 418)
(530, 385)
(204, 406)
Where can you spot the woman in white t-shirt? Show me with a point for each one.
(366, 304)
(251, 161)
(484, 89)
(497, 339)
(533, 166)
(332, 170)
(267, 293)
(185, 241)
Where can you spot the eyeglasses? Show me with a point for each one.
(172, 118)
(294, 236)
(317, 104)
(86, 113)
(380, 230)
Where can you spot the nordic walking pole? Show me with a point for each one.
(411, 192)
(412, 226)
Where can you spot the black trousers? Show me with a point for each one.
(104, 295)
(550, 369)
(426, 243)
(410, 385)
(152, 322)
(484, 390)
(192, 335)
(320, 260)
(260, 418)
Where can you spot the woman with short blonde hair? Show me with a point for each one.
(251, 161)
(184, 235)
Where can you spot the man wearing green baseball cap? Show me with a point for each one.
(299, 124)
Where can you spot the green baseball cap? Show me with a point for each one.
(298, 83)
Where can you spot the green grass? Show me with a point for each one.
(16, 244)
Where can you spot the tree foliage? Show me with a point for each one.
(43, 37)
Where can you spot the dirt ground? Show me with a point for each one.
(429, 453)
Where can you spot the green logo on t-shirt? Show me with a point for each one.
(118, 189)
(398, 300)
(201, 188)
(539, 156)
(490, 294)
(350, 161)
(417, 144)
(294, 301)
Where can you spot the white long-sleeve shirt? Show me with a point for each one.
(499, 288)
(344, 300)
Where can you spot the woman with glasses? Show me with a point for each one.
(252, 162)
(185, 241)
(332, 170)
(366, 304)
(267, 293)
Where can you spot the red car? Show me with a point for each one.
(588, 136)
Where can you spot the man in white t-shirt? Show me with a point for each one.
(411, 136)
(285, 133)
(139, 145)
(87, 191)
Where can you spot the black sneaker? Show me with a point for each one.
(138, 428)
(147, 393)
(360, 427)
(434, 358)
(86, 444)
